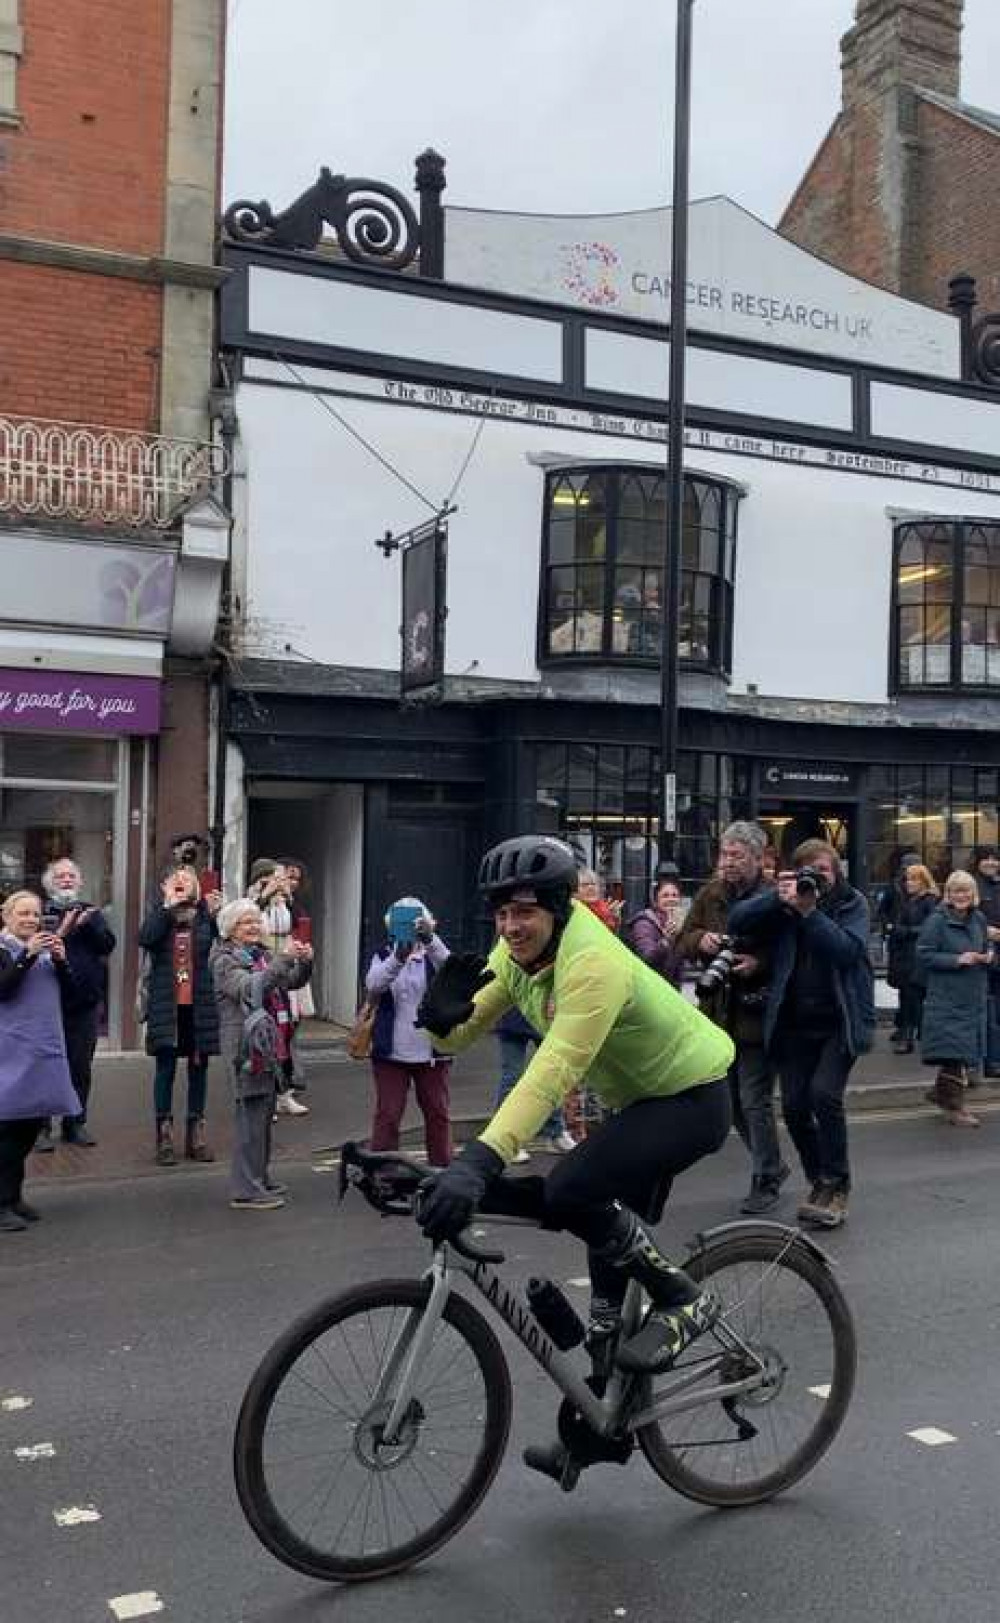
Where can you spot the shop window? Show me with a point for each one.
(603, 798)
(946, 606)
(602, 568)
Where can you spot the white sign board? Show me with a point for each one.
(745, 281)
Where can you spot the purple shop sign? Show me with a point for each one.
(77, 702)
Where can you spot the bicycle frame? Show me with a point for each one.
(607, 1416)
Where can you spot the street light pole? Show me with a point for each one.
(675, 435)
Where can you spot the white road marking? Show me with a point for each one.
(142, 1604)
(820, 1391)
(932, 1436)
(36, 1451)
(76, 1515)
(14, 1403)
(581, 1284)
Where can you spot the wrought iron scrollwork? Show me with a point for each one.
(372, 221)
(985, 349)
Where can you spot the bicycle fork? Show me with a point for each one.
(412, 1346)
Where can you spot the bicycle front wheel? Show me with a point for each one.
(785, 1318)
(320, 1485)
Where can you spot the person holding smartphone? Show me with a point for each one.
(35, 1080)
(182, 1020)
(402, 1054)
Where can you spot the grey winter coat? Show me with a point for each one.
(157, 936)
(238, 989)
(954, 1023)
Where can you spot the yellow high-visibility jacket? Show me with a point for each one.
(605, 1017)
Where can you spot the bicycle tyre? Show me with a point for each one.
(810, 1268)
(255, 1497)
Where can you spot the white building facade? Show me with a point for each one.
(840, 617)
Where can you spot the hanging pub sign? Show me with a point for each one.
(421, 631)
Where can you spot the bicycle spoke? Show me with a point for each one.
(775, 1333)
(331, 1478)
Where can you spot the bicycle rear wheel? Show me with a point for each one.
(781, 1309)
(319, 1485)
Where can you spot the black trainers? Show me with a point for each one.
(10, 1223)
(26, 1213)
(665, 1333)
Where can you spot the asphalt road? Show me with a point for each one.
(131, 1318)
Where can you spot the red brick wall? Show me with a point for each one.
(182, 760)
(837, 211)
(87, 168)
(957, 224)
(81, 348)
(89, 163)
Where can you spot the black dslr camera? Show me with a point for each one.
(715, 976)
(810, 882)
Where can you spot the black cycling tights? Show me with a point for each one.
(632, 1158)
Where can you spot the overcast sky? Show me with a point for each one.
(554, 106)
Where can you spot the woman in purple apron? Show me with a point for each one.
(34, 1074)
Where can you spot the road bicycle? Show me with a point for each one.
(375, 1425)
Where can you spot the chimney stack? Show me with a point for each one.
(902, 43)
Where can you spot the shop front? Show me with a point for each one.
(74, 781)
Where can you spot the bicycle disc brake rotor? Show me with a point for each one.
(370, 1445)
(765, 1363)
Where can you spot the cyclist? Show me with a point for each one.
(650, 1055)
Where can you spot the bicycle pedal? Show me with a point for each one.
(555, 1462)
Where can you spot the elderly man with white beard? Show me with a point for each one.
(89, 943)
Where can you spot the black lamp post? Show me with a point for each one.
(675, 436)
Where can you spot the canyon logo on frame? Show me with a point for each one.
(78, 702)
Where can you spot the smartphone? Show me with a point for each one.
(403, 917)
(208, 880)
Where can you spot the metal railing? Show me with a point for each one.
(94, 474)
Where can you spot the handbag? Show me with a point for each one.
(359, 1041)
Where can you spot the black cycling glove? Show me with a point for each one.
(449, 1199)
(447, 1003)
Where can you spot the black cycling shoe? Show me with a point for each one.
(665, 1333)
(555, 1461)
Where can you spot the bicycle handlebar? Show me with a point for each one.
(474, 1253)
(391, 1183)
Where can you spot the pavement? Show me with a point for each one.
(135, 1312)
(339, 1099)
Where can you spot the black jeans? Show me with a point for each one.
(16, 1139)
(910, 1011)
(754, 1072)
(814, 1071)
(81, 1041)
(632, 1158)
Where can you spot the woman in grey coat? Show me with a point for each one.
(953, 952)
(251, 988)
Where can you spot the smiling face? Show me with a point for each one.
(23, 916)
(961, 897)
(247, 930)
(526, 928)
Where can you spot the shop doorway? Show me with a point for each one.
(320, 825)
(787, 823)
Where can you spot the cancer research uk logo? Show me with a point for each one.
(590, 274)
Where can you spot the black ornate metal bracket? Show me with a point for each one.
(374, 224)
(980, 336)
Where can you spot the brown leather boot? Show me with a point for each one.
(195, 1142)
(165, 1154)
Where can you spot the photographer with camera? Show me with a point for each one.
(732, 992)
(820, 1012)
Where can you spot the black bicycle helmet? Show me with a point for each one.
(531, 862)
